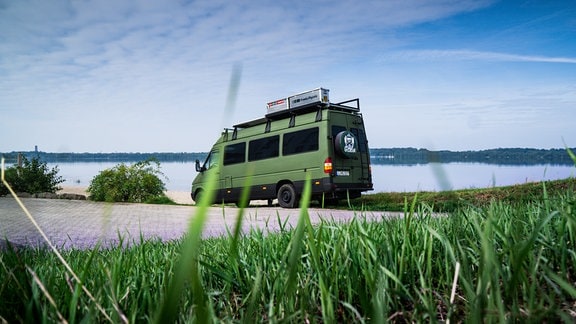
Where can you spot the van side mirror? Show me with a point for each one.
(198, 167)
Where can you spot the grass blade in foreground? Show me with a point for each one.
(325, 297)
(54, 249)
(188, 263)
(188, 266)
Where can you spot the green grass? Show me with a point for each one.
(449, 201)
(516, 262)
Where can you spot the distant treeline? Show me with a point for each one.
(502, 156)
(390, 156)
(48, 157)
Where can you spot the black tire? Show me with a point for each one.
(344, 148)
(239, 204)
(287, 196)
(200, 195)
(197, 197)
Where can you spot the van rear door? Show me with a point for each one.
(350, 169)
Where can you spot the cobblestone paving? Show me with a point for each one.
(82, 224)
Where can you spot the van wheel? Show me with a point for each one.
(240, 205)
(198, 197)
(287, 196)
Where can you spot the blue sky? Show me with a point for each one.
(153, 76)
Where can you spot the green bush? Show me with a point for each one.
(139, 182)
(32, 177)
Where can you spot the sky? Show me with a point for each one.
(168, 76)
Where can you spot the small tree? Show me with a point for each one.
(139, 182)
(32, 177)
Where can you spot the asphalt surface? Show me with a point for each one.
(75, 224)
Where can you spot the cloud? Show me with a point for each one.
(468, 55)
(158, 67)
(104, 46)
(269, 28)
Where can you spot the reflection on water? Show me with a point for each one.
(387, 178)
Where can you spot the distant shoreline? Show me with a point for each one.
(387, 156)
(105, 157)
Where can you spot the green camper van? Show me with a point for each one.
(300, 134)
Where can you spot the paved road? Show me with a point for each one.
(81, 224)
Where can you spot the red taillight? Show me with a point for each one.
(328, 165)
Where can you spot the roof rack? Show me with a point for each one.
(251, 123)
(301, 103)
(345, 107)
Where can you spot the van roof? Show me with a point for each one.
(342, 106)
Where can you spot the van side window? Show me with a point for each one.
(300, 141)
(264, 148)
(235, 153)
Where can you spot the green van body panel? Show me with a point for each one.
(282, 148)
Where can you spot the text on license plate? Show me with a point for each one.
(342, 173)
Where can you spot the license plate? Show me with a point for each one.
(342, 173)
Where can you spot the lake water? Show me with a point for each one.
(386, 178)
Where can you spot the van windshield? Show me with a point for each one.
(211, 160)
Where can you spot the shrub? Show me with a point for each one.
(32, 177)
(139, 182)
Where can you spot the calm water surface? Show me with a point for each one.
(387, 178)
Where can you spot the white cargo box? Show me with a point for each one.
(277, 105)
(304, 99)
(316, 96)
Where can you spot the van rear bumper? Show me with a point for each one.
(327, 186)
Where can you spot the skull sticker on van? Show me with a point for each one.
(349, 143)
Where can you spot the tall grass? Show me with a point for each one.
(450, 201)
(517, 262)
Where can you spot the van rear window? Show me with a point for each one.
(264, 148)
(363, 142)
(337, 129)
(235, 153)
(300, 141)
